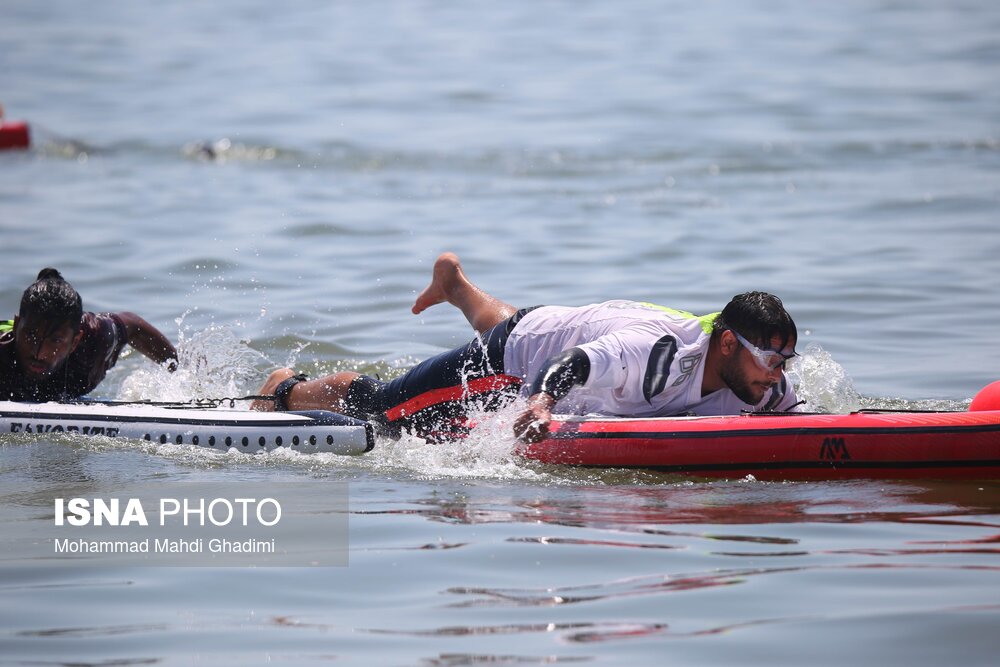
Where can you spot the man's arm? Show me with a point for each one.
(148, 340)
(563, 372)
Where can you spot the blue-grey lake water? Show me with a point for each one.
(269, 184)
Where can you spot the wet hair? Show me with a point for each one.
(53, 300)
(759, 317)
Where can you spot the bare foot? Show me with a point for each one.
(272, 382)
(447, 273)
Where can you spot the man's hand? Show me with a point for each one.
(533, 424)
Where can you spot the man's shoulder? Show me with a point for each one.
(107, 327)
(686, 333)
(101, 320)
(104, 336)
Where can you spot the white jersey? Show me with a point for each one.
(645, 360)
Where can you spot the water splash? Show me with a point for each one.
(486, 453)
(823, 383)
(213, 363)
(826, 387)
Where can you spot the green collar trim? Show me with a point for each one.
(706, 321)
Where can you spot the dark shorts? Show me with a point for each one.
(433, 398)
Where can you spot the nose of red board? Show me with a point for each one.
(14, 134)
(988, 398)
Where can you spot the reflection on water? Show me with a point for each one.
(571, 632)
(641, 508)
(674, 583)
(593, 543)
(465, 659)
(105, 631)
(623, 588)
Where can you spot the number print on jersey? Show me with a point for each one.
(687, 364)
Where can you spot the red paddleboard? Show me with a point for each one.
(14, 134)
(789, 446)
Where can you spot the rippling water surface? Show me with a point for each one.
(270, 185)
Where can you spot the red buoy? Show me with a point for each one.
(988, 398)
(14, 134)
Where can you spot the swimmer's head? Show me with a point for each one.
(47, 326)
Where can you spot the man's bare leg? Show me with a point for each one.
(326, 393)
(449, 284)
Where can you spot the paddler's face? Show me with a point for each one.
(744, 375)
(42, 347)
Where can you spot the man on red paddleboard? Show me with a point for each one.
(53, 350)
(621, 358)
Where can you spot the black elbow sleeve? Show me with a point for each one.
(563, 372)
